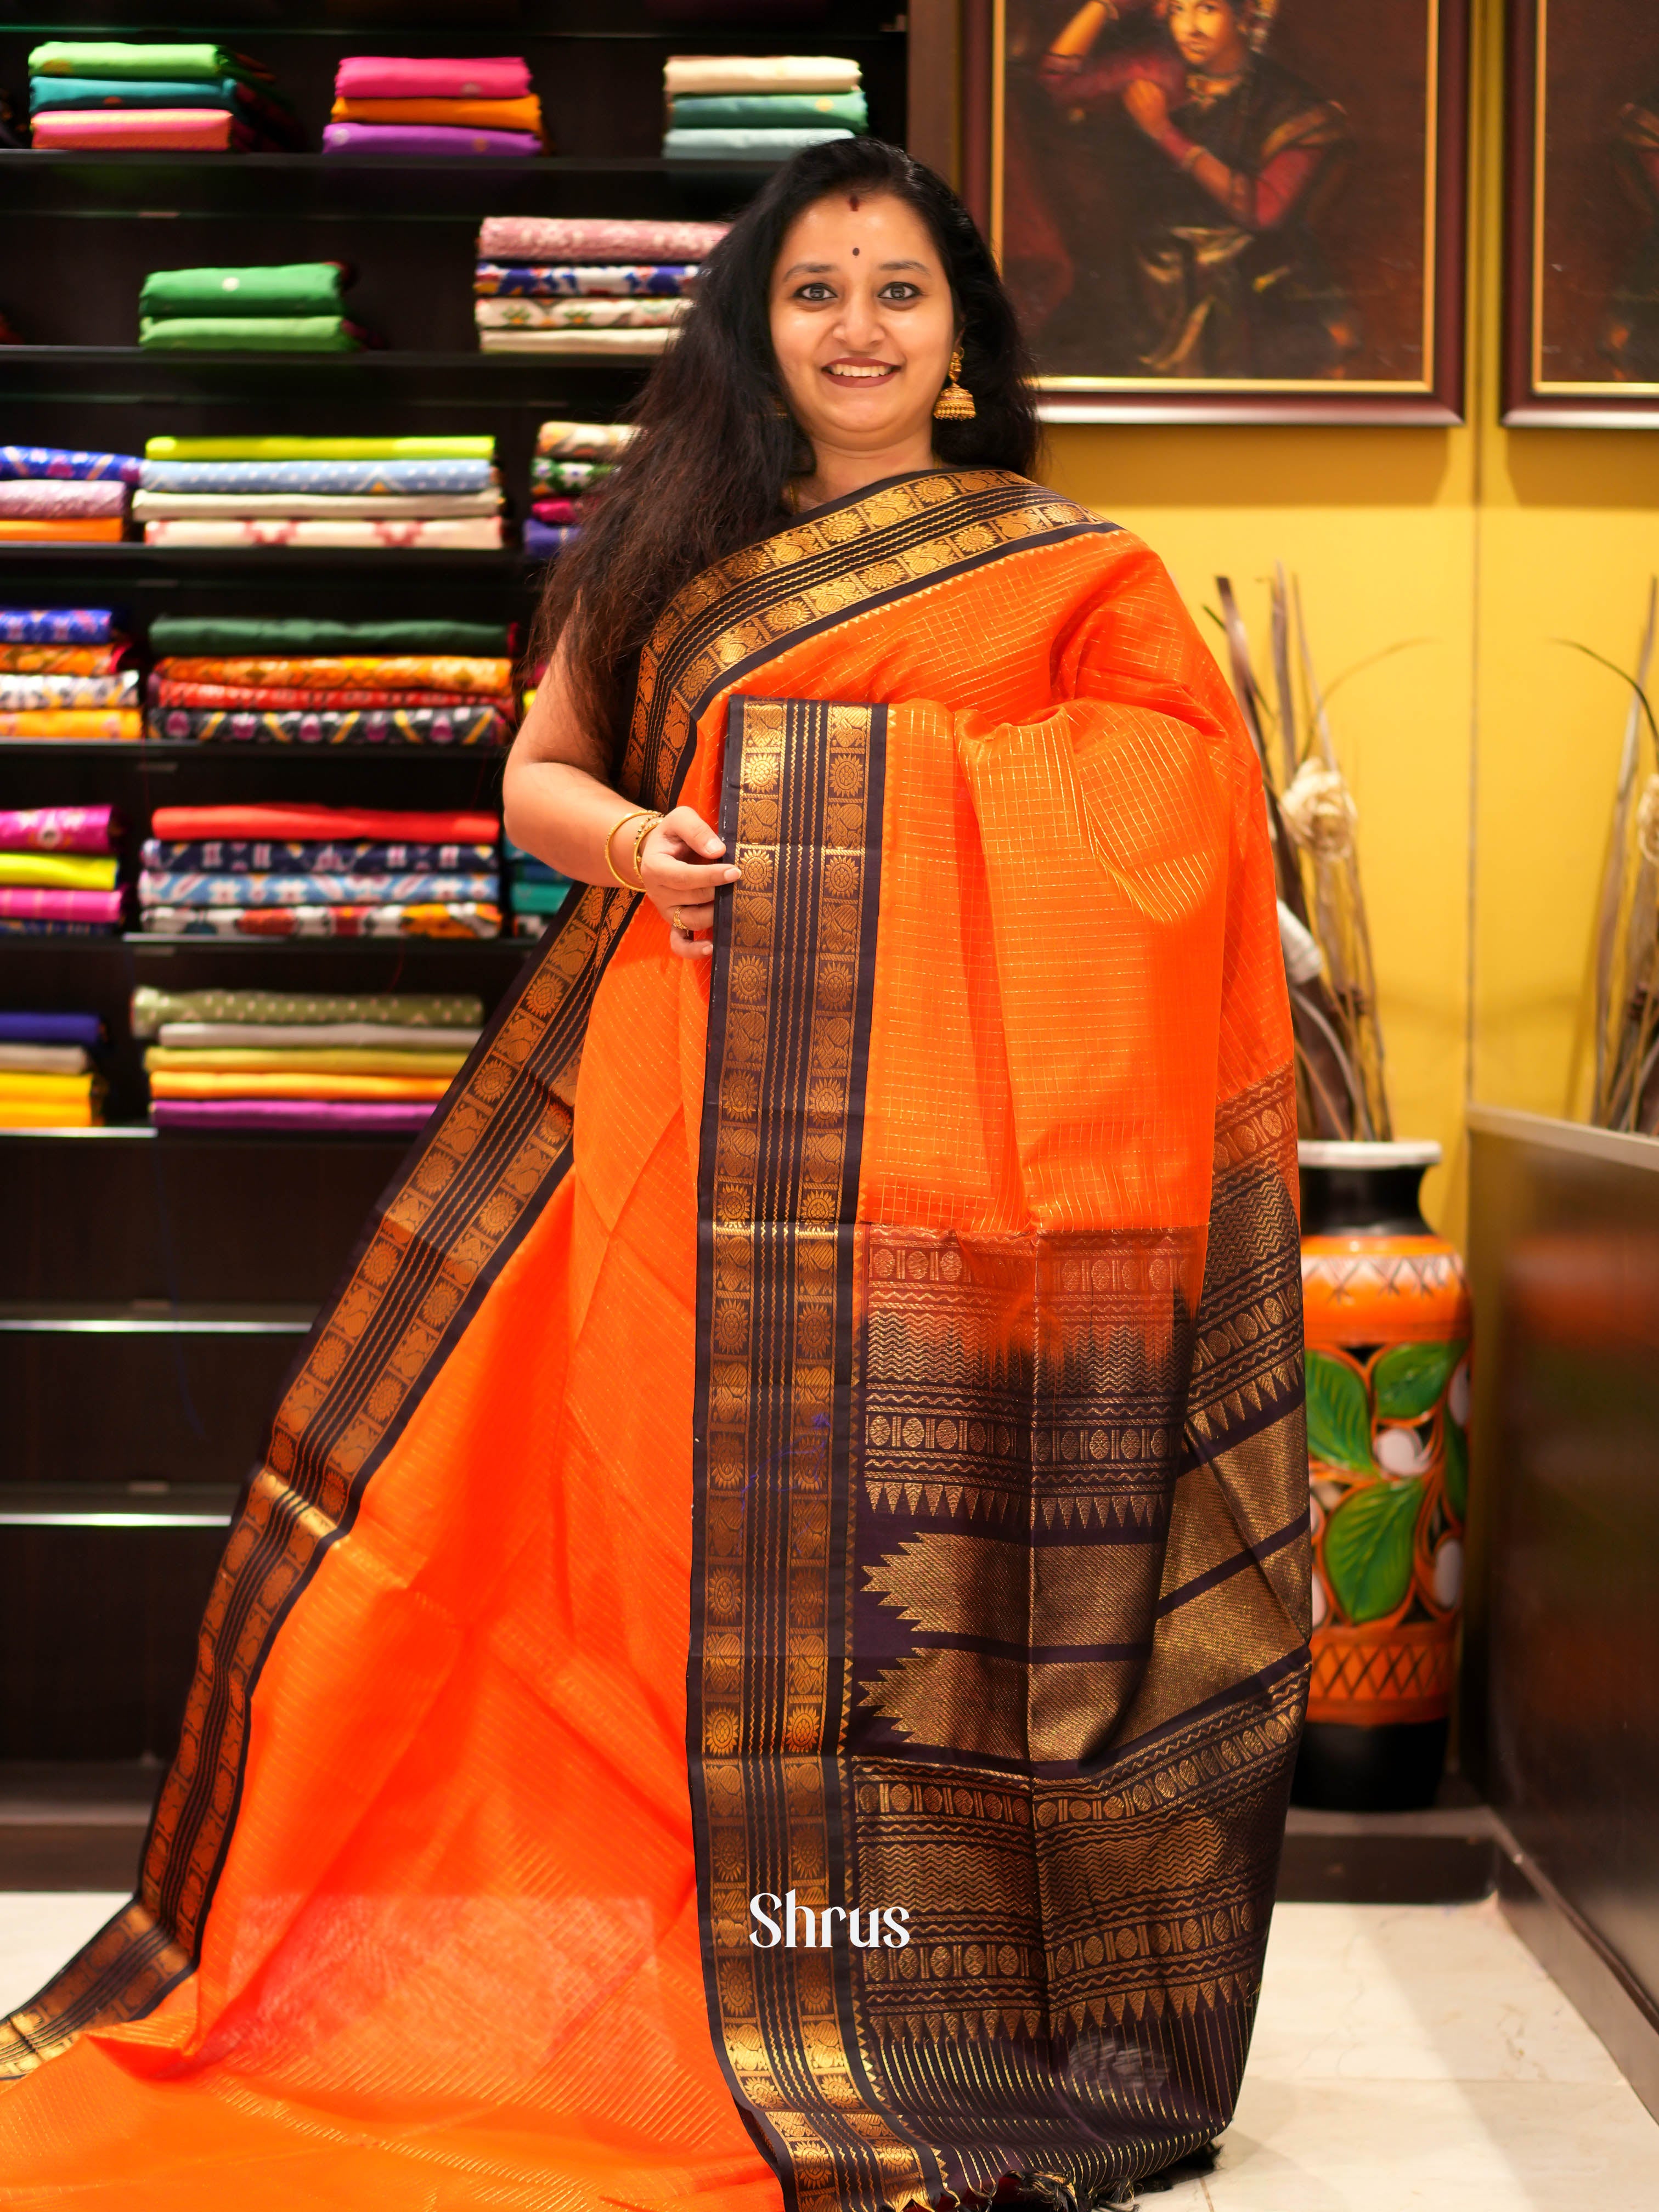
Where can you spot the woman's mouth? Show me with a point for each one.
(860, 372)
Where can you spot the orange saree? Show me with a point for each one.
(762, 1661)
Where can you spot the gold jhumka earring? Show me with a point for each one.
(955, 402)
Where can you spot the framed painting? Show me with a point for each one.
(1228, 210)
(1580, 339)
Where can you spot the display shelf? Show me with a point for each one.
(153, 1317)
(118, 1505)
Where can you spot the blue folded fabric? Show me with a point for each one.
(126, 91)
(67, 461)
(743, 145)
(52, 1028)
(56, 625)
(356, 477)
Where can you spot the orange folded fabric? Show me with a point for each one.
(524, 114)
(68, 723)
(100, 530)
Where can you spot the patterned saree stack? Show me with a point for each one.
(535, 892)
(322, 1061)
(52, 494)
(584, 288)
(59, 871)
(94, 95)
(572, 460)
(428, 107)
(319, 872)
(298, 680)
(48, 1078)
(289, 306)
(758, 108)
(61, 675)
(426, 494)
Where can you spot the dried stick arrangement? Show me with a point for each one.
(1626, 1094)
(1311, 824)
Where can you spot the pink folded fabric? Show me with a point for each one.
(50, 498)
(480, 533)
(399, 77)
(593, 238)
(188, 130)
(57, 829)
(17, 903)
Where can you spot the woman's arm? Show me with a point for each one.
(1259, 200)
(558, 804)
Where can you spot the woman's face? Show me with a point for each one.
(863, 322)
(1208, 35)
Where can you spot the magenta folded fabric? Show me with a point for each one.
(188, 130)
(57, 499)
(392, 1117)
(400, 77)
(57, 829)
(594, 238)
(424, 139)
(20, 904)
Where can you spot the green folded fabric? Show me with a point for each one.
(474, 447)
(287, 637)
(539, 898)
(283, 288)
(112, 57)
(771, 111)
(248, 334)
(48, 93)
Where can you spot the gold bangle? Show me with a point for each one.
(645, 829)
(633, 814)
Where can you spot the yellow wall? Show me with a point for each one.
(1482, 760)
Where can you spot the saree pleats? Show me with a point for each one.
(827, 1430)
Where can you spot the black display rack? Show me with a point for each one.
(155, 1288)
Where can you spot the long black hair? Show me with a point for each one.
(705, 470)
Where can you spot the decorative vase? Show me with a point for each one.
(1388, 1321)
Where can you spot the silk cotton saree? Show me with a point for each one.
(762, 1661)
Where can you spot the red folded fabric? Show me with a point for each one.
(401, 77)
(283, 822)
(292, 698)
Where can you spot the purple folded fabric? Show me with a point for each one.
(57, 829)
(391, 1118)
(25, 904)
(66, 461)
(426, 139)
(56, 625)
(542, 540)
(57, 499)
(52, 1028)
(401, 77)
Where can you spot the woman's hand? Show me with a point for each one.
(1147, 105)
(681, 869)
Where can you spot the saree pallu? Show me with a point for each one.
(471, 725)
(890, 1331)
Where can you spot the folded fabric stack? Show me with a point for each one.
(319, 872)
(464, 697)
(62, 672)
(290, 307)
(758, 108)
(584, 286)
(287, 1060)
(48, 1078)
(54, 494)
(394, 104)
(89, 96)
(535, 892)
(431, 493)
(58, 870)
(572, 459)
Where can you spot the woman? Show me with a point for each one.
(1229, 157)
(764, 1660)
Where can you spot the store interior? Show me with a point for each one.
(1476, 586)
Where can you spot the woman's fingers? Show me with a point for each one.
(685, 823)
(666, 878)
(691, 916)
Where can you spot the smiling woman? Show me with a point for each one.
(817, 1424)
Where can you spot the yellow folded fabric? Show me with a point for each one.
(101, 529)
(169, 1083)
(71, 1114)
(44, 1090)
(522, 114)
(64, 872)
(72, 722)
(323, 1059)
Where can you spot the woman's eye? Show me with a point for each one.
(814, 293)
(900, 293)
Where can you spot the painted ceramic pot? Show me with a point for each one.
(1388, 1321)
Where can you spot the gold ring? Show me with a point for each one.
(674, 916)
